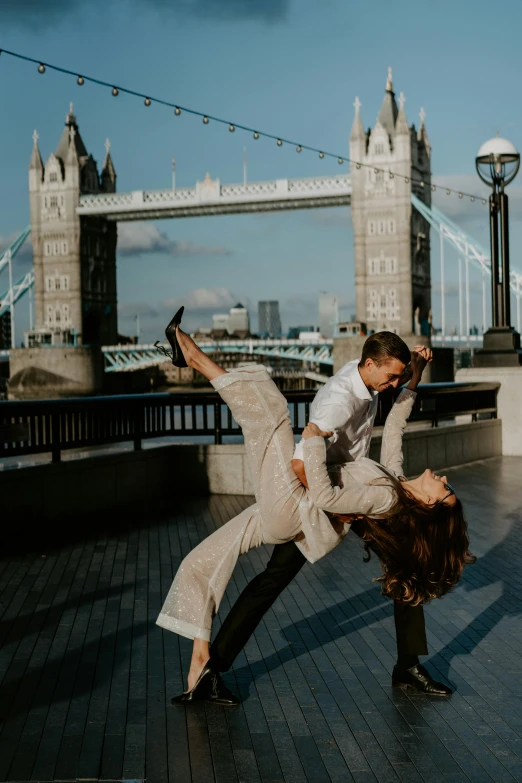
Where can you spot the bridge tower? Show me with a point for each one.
(74, 257)
(391, 240)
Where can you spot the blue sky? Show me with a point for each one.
(290, 67)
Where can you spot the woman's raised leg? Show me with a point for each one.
(262, 412)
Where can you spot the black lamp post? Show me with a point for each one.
(497, 165)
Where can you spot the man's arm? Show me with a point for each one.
(329, 416)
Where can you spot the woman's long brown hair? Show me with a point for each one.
(423, 549)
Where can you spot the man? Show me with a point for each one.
(346, 406)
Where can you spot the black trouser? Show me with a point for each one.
(259, 595)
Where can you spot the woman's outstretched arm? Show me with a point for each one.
(354, 497)
(392, 455)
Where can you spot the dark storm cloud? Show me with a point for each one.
(28, 13)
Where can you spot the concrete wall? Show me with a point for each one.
(44, 373)
(79, 494)
(509, 401)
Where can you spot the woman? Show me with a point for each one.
(423, 545)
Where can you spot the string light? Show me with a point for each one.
(80, 80)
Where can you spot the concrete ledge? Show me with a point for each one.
(508, 401)
(447, 447)
(76, 495)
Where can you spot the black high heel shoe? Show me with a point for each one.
(178, 360)
(209, 687)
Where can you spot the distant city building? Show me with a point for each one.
(310, 337)
(295, 331)
(220, 322)
(328, 314)
(238, 320)
(269, 319)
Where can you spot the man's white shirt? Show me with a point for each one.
(347, 407)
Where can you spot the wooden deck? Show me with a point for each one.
(87, 676)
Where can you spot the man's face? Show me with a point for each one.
(385, 375)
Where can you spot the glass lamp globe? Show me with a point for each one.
(497, 162)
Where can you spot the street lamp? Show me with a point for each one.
(497, 165)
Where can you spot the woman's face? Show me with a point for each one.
(435, 489)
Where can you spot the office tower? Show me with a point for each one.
(269, 319)
(328, 314)
(238, 320)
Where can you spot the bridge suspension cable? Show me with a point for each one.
(471, 252)
(16, 290)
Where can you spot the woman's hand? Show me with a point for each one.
(312, 431)
(347, 519)
(420, 356)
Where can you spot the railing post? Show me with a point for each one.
(137, 426)
(55, 436)
(217, 423)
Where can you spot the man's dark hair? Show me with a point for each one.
(383, 346)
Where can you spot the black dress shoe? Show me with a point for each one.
(178, 359)
(209, 687)
(419, 678)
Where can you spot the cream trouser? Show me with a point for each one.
(198, 587)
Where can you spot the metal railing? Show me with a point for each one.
(39, 426)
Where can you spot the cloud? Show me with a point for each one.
(202, 301)
(463, 208)
(228, 10)
(143, 237)
(33, 13)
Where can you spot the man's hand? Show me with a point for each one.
(312, 431)
(299, 470)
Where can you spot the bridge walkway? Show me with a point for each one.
(87, 676)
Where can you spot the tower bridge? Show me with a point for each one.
(75, 208)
